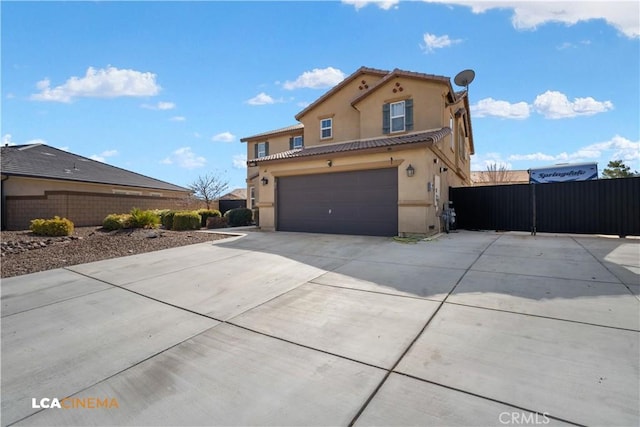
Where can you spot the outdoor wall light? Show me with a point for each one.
(443, 170)
(264, 180)
(329, 163)
(410, 170)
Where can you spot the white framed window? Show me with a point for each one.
(461, 145)
(453, 132)
(252, 196)
(297, 142)
(262, 149)
(397, 116)
(326, 128)
(154, 194)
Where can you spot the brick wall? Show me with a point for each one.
(84, 209)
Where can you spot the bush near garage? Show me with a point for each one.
(239, 217)
(116, 222)
(144, 219)
(186, 220)
(207, 213)
(217, 222)
(52, 227)
(166, 218)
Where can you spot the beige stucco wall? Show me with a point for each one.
(428, 105)
(25, 199)
(337, 106)
(417, 211)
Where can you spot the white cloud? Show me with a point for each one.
(185, 158)
(162, 105)
(6, 140)
(303, 104)
(318, 78)
(10, 96)
(261, 99)
(480, 162)
(622, 15)
(490, 107)
(102, 156)
(240, 161)
(556, 105)
(103, 83)
(617, 147)
(223, 137)
(178, 118)
(433, 42)
(382, 4)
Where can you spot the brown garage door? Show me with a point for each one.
(361, 202)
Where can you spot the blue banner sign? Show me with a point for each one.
(564, 173)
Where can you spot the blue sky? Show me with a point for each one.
(168, 89)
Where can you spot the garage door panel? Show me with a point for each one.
(359, 202)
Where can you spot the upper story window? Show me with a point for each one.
(262, 149)
(326, 128)
(296, 142)
(461, 145)
(453, 131)
(397, 116)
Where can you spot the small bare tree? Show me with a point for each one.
(497, 174)
(209, 187)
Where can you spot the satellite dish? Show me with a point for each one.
(463, 78)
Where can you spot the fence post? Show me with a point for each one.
(533, 209)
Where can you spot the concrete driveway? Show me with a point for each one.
(300, 329)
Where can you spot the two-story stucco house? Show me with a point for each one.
(375, 155)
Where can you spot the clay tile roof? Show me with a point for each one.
(432, 136)
(274, 132)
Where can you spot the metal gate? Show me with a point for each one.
(605, 206)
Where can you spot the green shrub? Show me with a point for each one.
(239, 217)
(187, 220)
(208, 213)
(216, 222)
(166, 218)
(52, 227)
(144, 219)
(116, 222)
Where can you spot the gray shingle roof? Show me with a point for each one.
(432, 137)
(43, 161)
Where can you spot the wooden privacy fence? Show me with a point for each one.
(604, 206)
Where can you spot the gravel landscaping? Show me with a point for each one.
(23, 252)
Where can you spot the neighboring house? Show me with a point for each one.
(234, 199)
(375, 155)
(39, 181)
(499, 177)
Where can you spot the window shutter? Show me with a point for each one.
(291, 143)
(386, 119)
(408, 114)
(266, 148)
(255, 150)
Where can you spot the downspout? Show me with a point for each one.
(3, 224)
